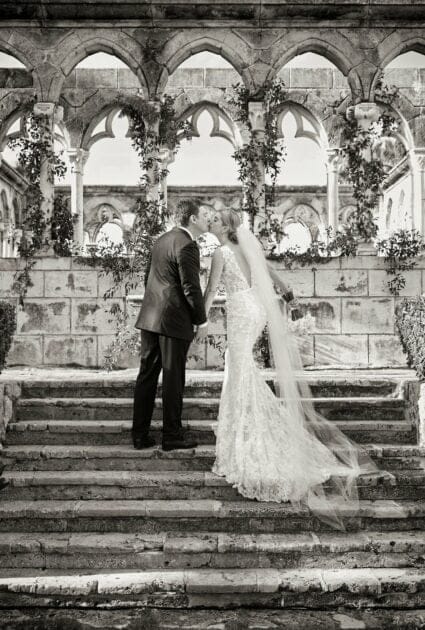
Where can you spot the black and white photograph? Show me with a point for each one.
(212, 314)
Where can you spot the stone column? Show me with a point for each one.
(417, 165)
(54, 114)
(257, 120)
(333, 164)
(152, 175)
(365, 114)
(167, 157)
(3, 235)
(77, 158)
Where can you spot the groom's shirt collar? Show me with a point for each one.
(188, 231)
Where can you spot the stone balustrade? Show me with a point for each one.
(66, 321)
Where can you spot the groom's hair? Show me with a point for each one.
(185, 209)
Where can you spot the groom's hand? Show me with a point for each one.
(201, 332)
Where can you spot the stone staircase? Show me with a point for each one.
(95, 532)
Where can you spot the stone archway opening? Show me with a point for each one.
(404, 188)
(206, 158)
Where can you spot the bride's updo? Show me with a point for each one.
(231, 219)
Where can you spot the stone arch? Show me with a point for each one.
(392, 47)
(7, 123)
(404, 135)
(388, 213)
(4, 206)
(344, 56)
(109, 112)
(299, 111)
(20, 45)
(119, 45)
(17, 212)
(346, 213)
(216, 112)
(183, 45)
(103, 214)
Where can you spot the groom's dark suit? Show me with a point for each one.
(172, 305)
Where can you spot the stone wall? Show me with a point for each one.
(66, 321)
(290, 201)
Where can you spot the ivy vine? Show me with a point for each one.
(152, 127)
(364, 168)
(35, 147)
(342, 242)
(400, 251)
(269, 151)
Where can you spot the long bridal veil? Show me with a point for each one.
(338, 496)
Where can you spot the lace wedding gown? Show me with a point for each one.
(258, 450)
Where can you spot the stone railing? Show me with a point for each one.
(66, 321)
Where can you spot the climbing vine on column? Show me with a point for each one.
(270, 151)
(34, 148)
(152, 126)
(364, 166)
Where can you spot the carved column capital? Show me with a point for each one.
(166, 155)
(52, 110)
(78, 158)
(257, 116)
(334, 160)
(417, 158)
(364, 113)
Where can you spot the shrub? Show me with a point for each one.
(7, 328)
(410, 323)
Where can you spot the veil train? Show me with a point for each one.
(338, 496)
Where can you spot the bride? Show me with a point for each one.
(272, 448)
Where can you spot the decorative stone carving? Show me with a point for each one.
(256, 116)
(364, 113)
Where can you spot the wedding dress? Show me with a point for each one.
(270, 448)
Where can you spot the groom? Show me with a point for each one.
(172, 312)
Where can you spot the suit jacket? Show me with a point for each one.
(173, 300)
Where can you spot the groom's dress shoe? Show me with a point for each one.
(172, 445)
(143, 442)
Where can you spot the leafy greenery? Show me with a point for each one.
(62, 227)
(400, 251)
(364, 168)
(269, 151)
(343, 242)
(410, 324)
(7, 327)
(35, 148)
(152, 127)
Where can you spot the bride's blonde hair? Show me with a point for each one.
(231, 219)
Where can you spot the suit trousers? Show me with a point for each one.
(169, 354)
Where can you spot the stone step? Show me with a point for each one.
(208, 619)
(210, 383)
(176, 485)
(150, 516)
(94, 552)
(35, 457)
(335, 409)
(93, 432)
(312, 589)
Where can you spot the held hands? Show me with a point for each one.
(293, 304)
(201, 332)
